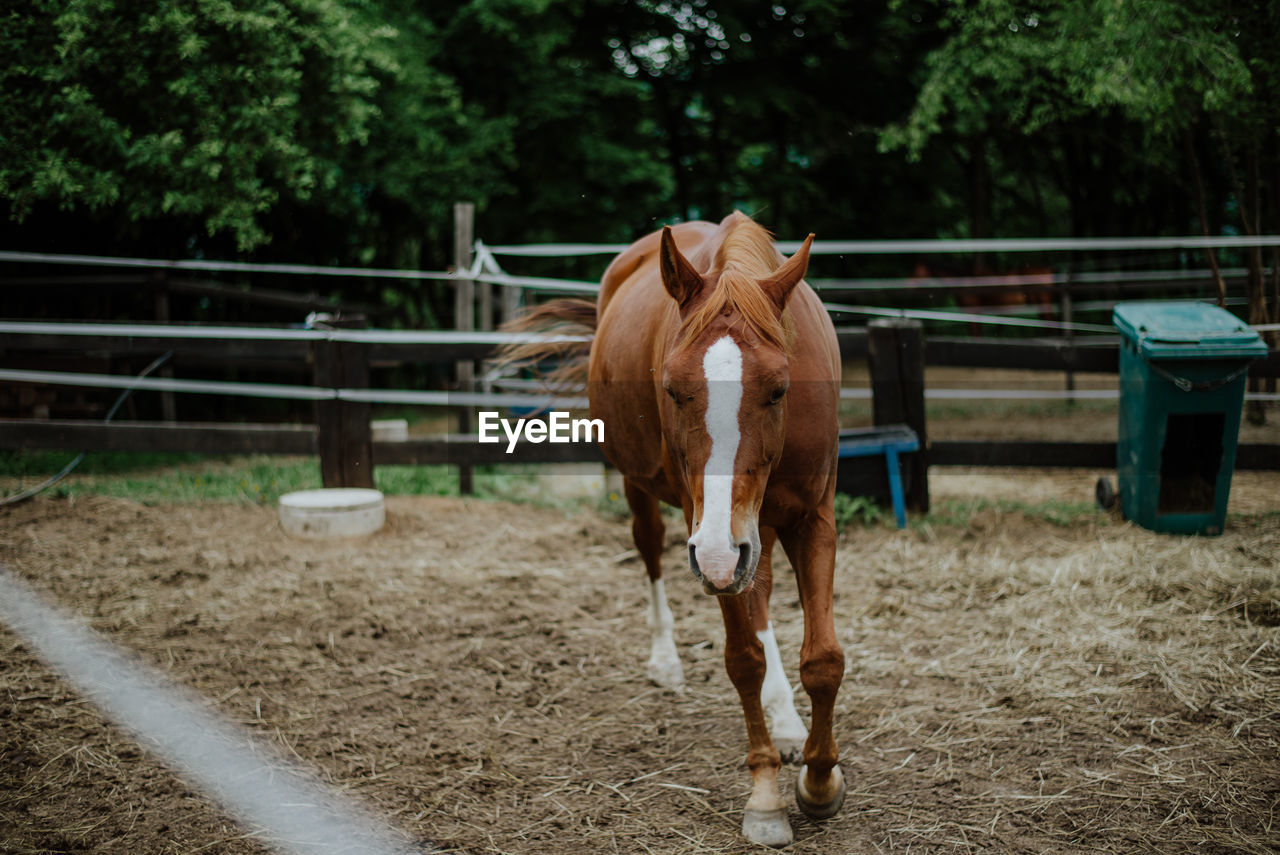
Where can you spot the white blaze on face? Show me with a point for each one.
(713, 542)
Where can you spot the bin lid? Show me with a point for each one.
(1186, 330)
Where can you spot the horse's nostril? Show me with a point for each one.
(744, 556)
(693, 558)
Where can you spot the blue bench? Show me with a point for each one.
(889, 440)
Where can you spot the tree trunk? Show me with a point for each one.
(1255, 289)
(721, 199)
(672, 116)
(1272, 337)
(1202, 214)
(979, 196)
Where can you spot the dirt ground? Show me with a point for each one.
(474, 674)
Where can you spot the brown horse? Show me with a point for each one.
(716, 372)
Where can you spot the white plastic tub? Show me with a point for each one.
(332, 512)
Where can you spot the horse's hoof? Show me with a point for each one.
(767, 827)
(667, 674)
(825, 804)
(792, 750)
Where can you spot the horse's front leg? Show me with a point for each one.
(811, 546)
(785, 726)
(765, 819)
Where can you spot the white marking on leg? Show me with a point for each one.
(764, 820)
(664, 662)
(785, 727)
(713, 543)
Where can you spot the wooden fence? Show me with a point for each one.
(340, 360)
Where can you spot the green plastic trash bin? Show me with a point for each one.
(1182, 379)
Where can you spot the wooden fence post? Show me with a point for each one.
(1067, 333)
(344, 436)
(895, 355)
(464, 318)
(168, 405)
(509, 298)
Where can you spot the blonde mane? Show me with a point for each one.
(746, 256)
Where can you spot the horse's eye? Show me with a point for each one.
(777, 394)
(671, 393)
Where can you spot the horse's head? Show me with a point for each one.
(724, 412)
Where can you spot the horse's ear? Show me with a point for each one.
(780, 284)
(681, 280)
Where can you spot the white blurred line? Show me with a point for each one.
(297, 814)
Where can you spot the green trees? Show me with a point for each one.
(1105, 91)
(158, 122)
(318, 129)
(336, 131)
(1145, 108)
(206, 111)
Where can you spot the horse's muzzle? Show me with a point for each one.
(744, 572)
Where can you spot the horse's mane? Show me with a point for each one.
(746, 255)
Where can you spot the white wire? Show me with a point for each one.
(298, 814)
(224, 266)
(368, 336)
(475, 399)
(964, 317)
(169, 384)
(850, 247)
(915, 247)
(287, 392)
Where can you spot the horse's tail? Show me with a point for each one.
(558, 356)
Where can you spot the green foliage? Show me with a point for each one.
(208, 110)
(862, 510)
(1008, 65)
(151, 477)
(155, 478)
(960, 513)
(228, 116)
(34, 465)
(343, 132)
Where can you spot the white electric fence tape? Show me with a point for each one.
(914, 247)
(479, 399)
(485, 268)
(964, 317)
(295, 813)
(296, 393)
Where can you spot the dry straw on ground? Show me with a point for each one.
(475, 674)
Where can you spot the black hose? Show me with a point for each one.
(66, 470)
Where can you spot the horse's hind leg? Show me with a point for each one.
(785, 726)
(648, 531)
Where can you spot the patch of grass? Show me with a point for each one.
(959, 513)
(614, 505)
(419, 480)
(246, 479)
(38, 465)
(489, 482)
(153, 478)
